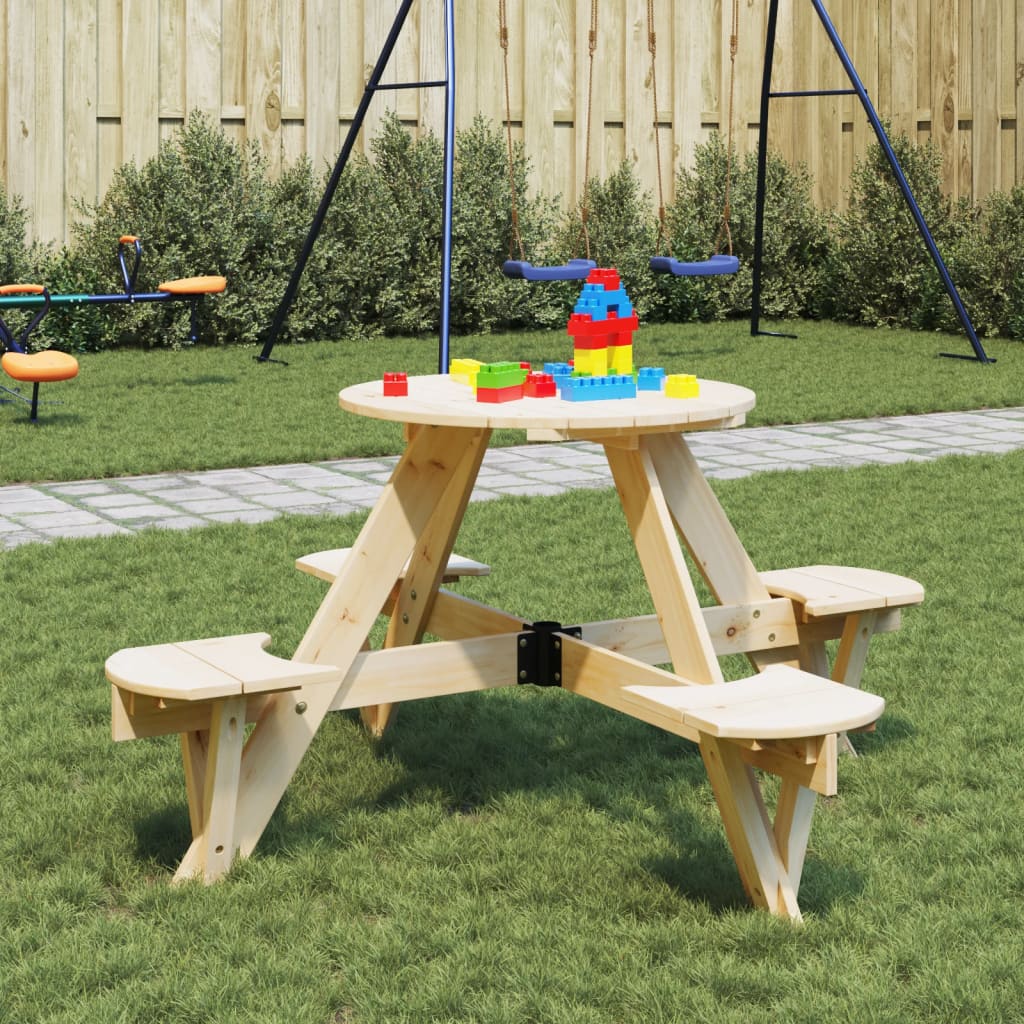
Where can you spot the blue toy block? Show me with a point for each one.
(560, 371)
(595, 300)
(595, 389)
(650, 378)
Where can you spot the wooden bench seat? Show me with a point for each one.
(196, 670)
(823, 591)
(205, 690)
(326, 565)
(779, 703)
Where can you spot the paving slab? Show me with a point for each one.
(39, 513)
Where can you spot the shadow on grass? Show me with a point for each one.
(468, 753)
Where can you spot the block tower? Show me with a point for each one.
(602, 326)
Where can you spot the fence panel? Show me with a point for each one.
(87, 85)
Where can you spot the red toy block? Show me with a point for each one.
(607, 276)
(539, 385)
(496, 395)
(396, 385)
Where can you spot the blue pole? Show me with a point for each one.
(449, 165)
(883, 141)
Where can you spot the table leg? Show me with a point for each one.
(668, 577)
(717, 551)
(434, 457)
(417, 593)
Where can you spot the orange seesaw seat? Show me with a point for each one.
(209, 285)
(34, 368)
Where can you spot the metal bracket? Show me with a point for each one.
(539, 652)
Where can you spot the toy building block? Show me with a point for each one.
(682, 385)
(595, 389)
(539, 385)
(607, 277)
(620, 359)
(650, 378)
(396, 385)
(561, 372)
(591, 362)
(465, 370)
(500, 375)
(494, 396)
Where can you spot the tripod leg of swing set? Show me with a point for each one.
(883, 140)
(374, 85)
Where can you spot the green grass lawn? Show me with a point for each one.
(133, 412)
(523, 856)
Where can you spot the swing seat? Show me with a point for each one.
(712, 267)
(574, 270)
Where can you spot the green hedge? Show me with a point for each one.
(205, 205)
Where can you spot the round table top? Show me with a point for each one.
(442, 400)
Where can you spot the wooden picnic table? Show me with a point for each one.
(782, 720)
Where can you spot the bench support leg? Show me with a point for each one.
(794, 812)
(214, 848)
(758, 852)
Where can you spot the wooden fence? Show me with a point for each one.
(89, 84)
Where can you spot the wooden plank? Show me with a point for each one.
(397, 674)
(903, 68)
(638, 120)
(322, 84)
(748, 830)
(781, 703)
(343, 621)
(140, 92)
(668, 578)
(263, 79)
(985, 98)
(233, 57)
(213, 850)
(693, 63)
(81, 157)
(538, 101)
(171, 33)
(22, 114)
(1019, 100)
(48, 217)
(944, 96)
(711, 538)
(431, 67)
(204, 58)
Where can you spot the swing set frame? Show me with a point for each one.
(374, 84)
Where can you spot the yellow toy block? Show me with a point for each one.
(620, 360)
(465, 370)
(682, 385)
(593, 361)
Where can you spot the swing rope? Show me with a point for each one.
(575, 269)
(516, 240)
(585, 208)
(724, 231)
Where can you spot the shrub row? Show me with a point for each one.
(205, 205)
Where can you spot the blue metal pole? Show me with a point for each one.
(897, 170)
(449, 174)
